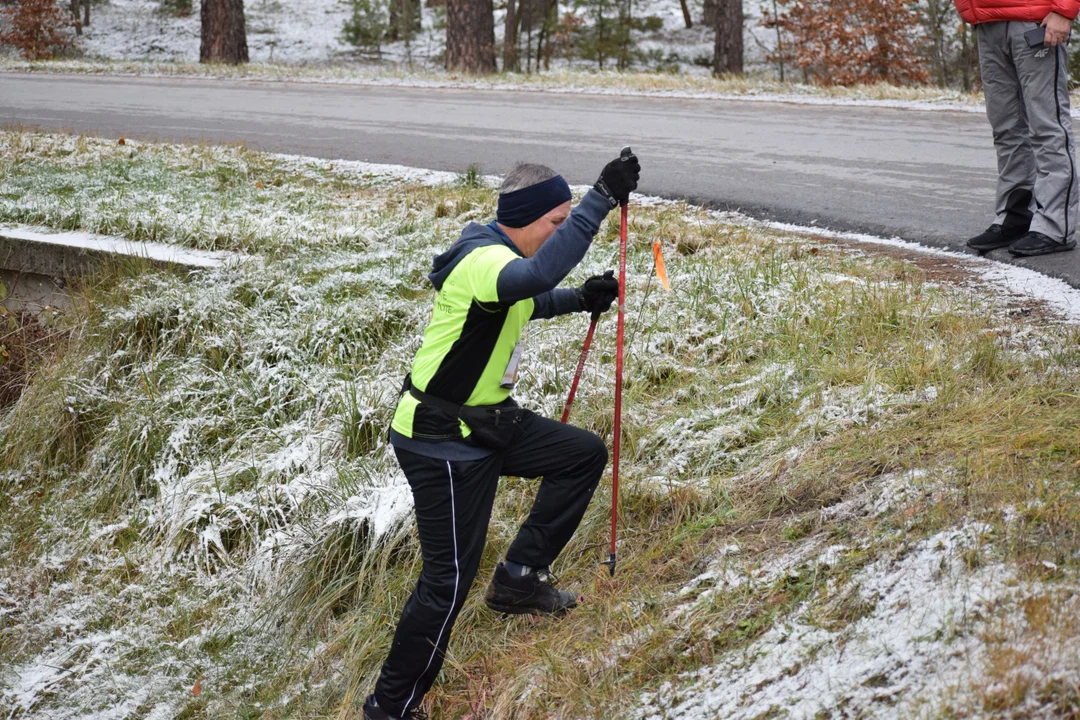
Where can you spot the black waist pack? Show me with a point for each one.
(493, 426)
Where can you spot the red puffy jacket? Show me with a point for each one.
(981, 11)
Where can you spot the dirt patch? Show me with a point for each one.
(27, 343)
(945, 271)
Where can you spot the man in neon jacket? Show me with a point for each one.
(492, 281)
(1027, 102)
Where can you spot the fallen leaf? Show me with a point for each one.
(121, 141)
(258, 184)
(197, 690)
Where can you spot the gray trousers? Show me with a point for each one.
(1027, 103)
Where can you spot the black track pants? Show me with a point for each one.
(453, 506)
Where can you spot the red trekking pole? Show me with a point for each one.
(580, 367)
(626, 153)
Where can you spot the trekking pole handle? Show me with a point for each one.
(625, 153)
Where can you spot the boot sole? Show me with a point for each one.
(1044, 251)
(987, 248)
(518, 610)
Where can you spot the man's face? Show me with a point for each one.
(531, 237)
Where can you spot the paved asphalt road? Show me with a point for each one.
(924, 176)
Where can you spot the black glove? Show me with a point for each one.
(618, 179)
(598, 292)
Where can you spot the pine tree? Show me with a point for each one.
(367, 26)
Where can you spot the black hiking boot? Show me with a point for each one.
(530, 594)
(1035, 243)
(372, 711)
(996, 236)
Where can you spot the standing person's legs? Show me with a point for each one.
(1006, 112)
(1044, 77)
(571, 461)
(453, 507)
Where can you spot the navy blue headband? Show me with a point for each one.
(523, 207)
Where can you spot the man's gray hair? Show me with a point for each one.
(526, 175)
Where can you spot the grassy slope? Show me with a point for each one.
(199, 490)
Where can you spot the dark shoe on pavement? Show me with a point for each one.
(996, 236)
(530, 594)
(1035, 243)
(372, 711)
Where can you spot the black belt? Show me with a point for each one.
(444, 405)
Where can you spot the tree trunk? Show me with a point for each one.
(708, 17)
(686, 14)
(86, 13)
(510, 53)
(543, 40)
(780, 50)
(470, 36)
(969, 58)
(728, 55)
(551, 23)
(224, 37)
(75, 12)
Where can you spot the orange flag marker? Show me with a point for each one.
(661, 271)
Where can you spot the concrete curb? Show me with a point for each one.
(69, 254)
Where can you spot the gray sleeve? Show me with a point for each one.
(531, 277)
(560, 301)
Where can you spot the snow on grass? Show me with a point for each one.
(1005, 279)
(217, 443)
(919, 637)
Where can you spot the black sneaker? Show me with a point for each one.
(1035, 243)
(372, 711)
(996, 236)
(530, 594)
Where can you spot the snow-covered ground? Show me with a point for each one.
(920, 649)
(290, 32)
(311, 32)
